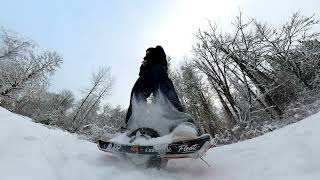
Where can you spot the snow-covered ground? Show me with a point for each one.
(32, 151)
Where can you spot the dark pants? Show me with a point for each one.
(156, 80)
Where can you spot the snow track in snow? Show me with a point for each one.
(30, 151)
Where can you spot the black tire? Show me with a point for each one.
(147, 133)
(154, 162)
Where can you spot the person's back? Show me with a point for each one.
(153, 79)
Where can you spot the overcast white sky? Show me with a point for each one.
(116, 33)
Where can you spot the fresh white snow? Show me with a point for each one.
(30, 151)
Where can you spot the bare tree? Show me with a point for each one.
(112, 117)
(193, 94)
(213, 64)
(45, 107)
(21, 64)
(281, 45)
(255, 56)
(101, 83)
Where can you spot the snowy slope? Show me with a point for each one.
(32, 151)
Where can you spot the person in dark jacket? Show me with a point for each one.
(153, 79)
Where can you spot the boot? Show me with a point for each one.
(106, 137)
(184, 131)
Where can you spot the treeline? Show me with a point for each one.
(24, 78)
(236, 85)
(239, 85)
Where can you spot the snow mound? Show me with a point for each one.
(32, 151)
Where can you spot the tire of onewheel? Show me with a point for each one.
(164, 163)
(157, 162)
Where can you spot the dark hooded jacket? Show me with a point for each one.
(153, 77)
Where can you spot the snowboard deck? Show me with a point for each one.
(194, 148)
